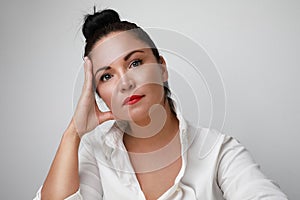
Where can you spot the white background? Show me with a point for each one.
(254, 44)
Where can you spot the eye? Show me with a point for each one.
(105, 77)
(135, 63)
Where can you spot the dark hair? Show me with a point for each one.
(102, 23)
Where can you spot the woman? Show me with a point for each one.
(150, 152)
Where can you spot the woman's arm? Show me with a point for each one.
(240, 177)
(63, 179)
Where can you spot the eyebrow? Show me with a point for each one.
(131, 53)
(102, 68)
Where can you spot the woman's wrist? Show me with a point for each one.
(71, 132)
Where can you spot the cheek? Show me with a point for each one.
(150, 80)
(155, 94)
(106, 94)
(151, 74)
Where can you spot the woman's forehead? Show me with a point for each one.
(114, 47)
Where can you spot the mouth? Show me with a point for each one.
(132, 99)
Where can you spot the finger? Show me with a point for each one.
(88, 74)
(103, 116)
(85, 66)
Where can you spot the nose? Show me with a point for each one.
(126, 83)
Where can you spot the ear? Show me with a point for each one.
(163, 65)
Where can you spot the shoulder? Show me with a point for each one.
(208, 141)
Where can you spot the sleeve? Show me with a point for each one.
(75, 196)
(90, 183)
(240, 177)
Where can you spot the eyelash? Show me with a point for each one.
(136, 61)
(103, 77)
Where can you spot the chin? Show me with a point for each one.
(136, 114)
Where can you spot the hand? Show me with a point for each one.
(87, 115)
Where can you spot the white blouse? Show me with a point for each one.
(214, 167)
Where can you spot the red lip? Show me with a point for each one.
(132, 99)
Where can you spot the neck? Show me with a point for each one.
(161, 128)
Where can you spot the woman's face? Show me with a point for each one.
(128, 77)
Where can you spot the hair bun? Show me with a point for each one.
(98, 20)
